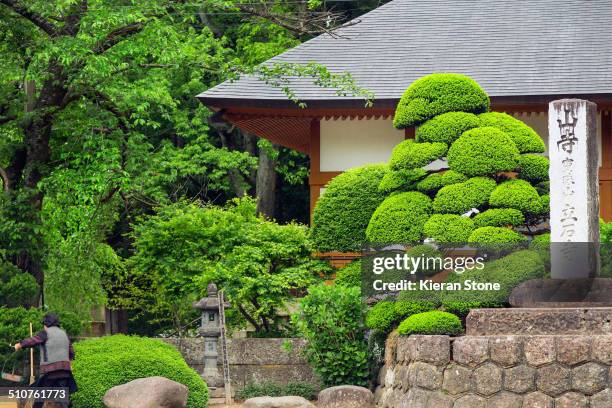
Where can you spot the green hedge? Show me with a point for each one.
(434, 322)
(349, 275)
(517, 194)
(426, 251)
(462, 197)
(272, 389)
(483, 151)
(105, 362)
(386, 315)
(533, 168)
(524, 137)
(495, 235)
(17, 288)
(431, 298)
(399, 219)
(499, 217)
(434, 182)
(400, 179)
(342, 213)
(409, 154)
(439, 93)
(448, 228)
(446, 128)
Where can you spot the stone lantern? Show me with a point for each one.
(210, 330)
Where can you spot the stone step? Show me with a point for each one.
(536, 321)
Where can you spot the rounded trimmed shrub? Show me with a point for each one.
(483, 151)
(448, 228)
(533, 168)
(499, 217)
(17, 288)
(411, 155)
(386, 315)
(435, 94)
(446, 128)
(495, 235)
(517, 194)
(430, 298)
(433, 322)
(349, 275)
(462, 197)
(105, 362)
(399, 179)
(525, 138)
(543, 187)
(425, 251)
(545, 201)
(436, 181)
(399, 219)
(343, 212)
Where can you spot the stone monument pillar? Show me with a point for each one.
(574, 189)
(210, 330)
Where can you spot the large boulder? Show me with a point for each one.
(277, 402)
(346, 396)
(151, 392)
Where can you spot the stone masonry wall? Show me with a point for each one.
(254, 361)
(497, 372)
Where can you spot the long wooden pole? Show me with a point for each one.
(31, 358)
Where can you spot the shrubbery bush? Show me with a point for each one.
(425, 251)
(430, 298)
(524, 137)
(499, 217)
(483, 151)
(495, 235)
(331, 318)
(517, 194)
(105, 362)
(435, 181)
(385, 315)
(462, 197)
(17, 288)
(342, 213)
(434, 322)
(399, 218)
(411, 155)
(533, 168)
(349, 275)
(446, 128)
(271, 389)
(400, 179)
(435, 94)
(448, 228)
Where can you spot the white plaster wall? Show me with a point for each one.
(351, 143)
(539, 122)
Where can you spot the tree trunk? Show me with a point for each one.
(266, 183)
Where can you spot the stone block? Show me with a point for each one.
(488, 379)
(254, 351)
(471, 351)
(553, 379)
(430, 349)
(505, 400)
(440, 400)
(457, 379)
(589, 378)
(520, 379)
(539, 350)
(277, 402)
(425, 375)
(415, 398)
(389, 377)
(402, 377)
(538, 400)
(572, 400)
(346, 396)
(602, 349)
(602, 399)
(572, 350)
(397, 370)
(470, 401)
(382, 375)
(402, 353)
(506, 350)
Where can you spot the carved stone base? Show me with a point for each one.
(560, 293)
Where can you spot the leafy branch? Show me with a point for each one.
(32, 16)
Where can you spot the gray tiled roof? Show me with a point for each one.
(511, 47)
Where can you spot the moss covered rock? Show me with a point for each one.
(533, 168)
(462, 197)
(401, 179)
(499, 217)
(400, 218)
(411, 155)
(495, 235)
(483, 151)
(433, 322)
(448, 228)
(343, 212)
(446, 128)
(525, 138)
(436, 181)
(435, 94)
(517, 194)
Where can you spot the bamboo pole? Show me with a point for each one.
(31, 358)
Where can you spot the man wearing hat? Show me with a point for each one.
(55, 355)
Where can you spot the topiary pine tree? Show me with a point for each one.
(490, 163)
